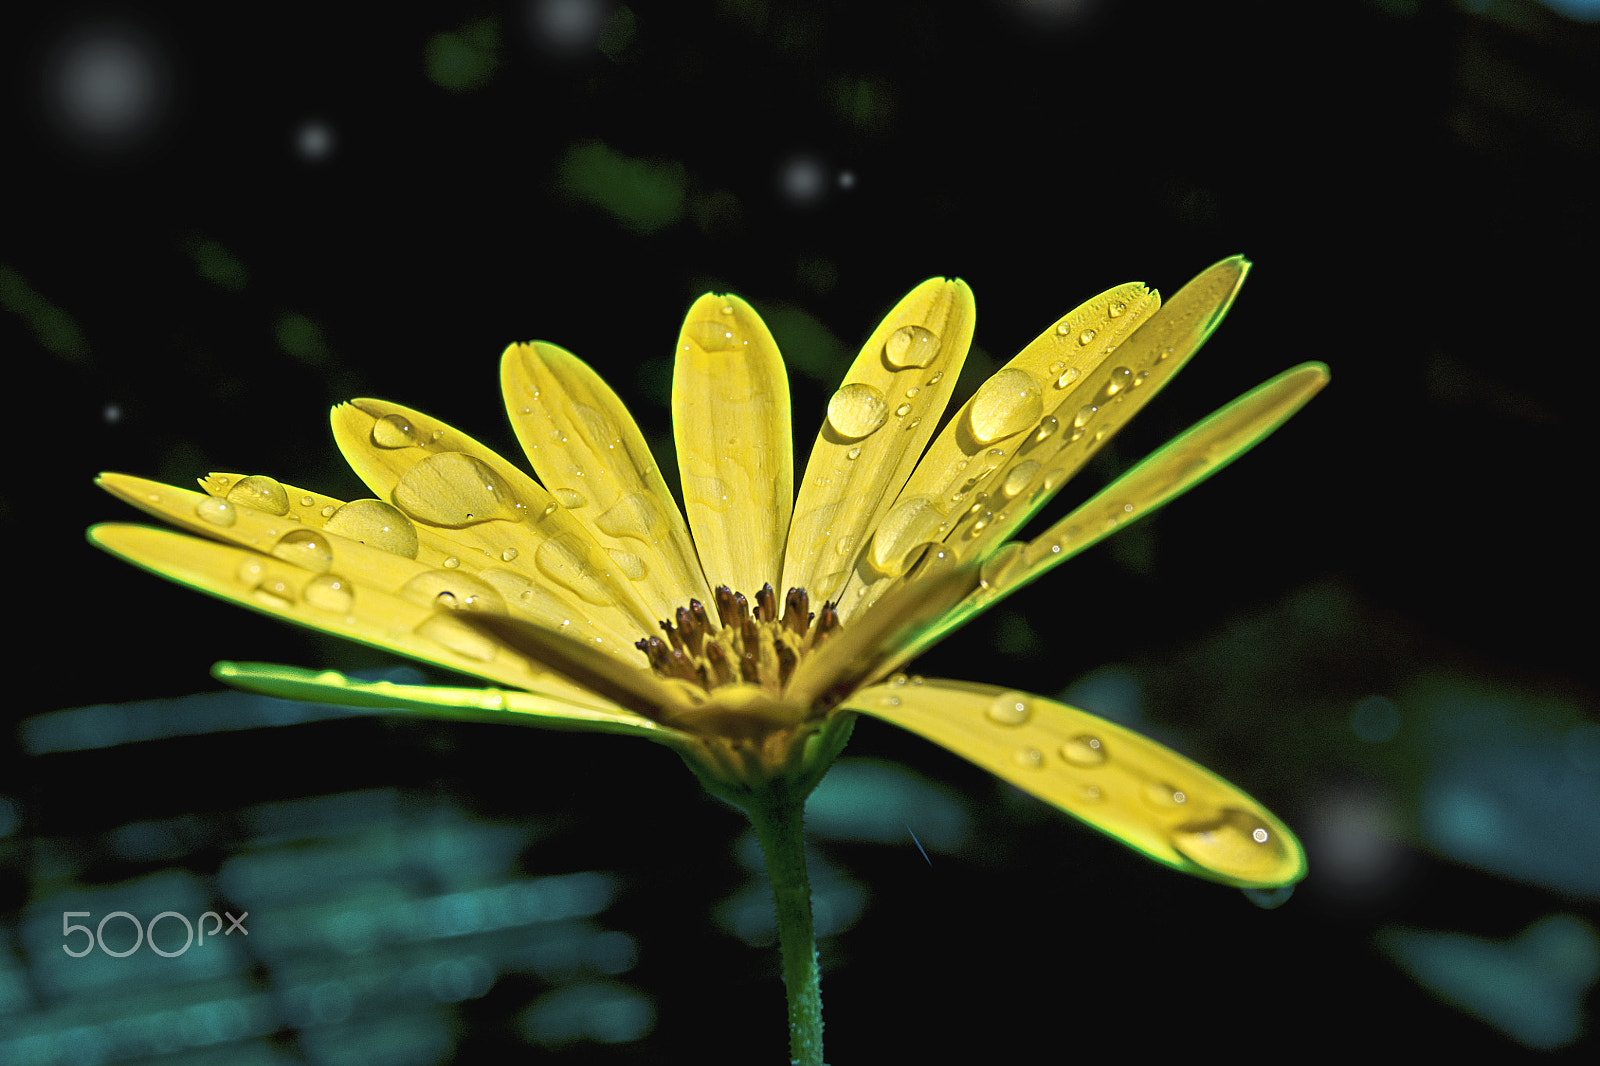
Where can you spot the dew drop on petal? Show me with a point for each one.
(261, 493)
(1068, 377)
(1084, 750)
(910, 524)
(630, 564)
(1162, 795)
(395, 431)
(1007, 403)
(1029, 758)
(329, 592)
(508, 555)
(217, 512)
(1232, 842)
(453, 590)
(857, 410)
(454, 489)
(563, 560)
(903, 410)
(1120, 378)
(1116, 308)
(377, 525)
(1086, 336)
(634, 515)
(998, 568)
(305, 548)
(911, 346)
(569, 498)
(1018, 477)
(853, 453)
(1009, 708)
(713, 336)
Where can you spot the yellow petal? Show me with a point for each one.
(878, 422)
(369, 542)
(730, 419)
(499, 706)
(1094, 406)
(1124, 784)
(1179, 466)
(588, 451)
(412, 625)
(493, 513)
(990, 451)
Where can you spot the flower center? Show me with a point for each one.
(753, 647)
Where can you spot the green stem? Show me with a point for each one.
(778, 815)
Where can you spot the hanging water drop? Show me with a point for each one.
(910, 524)
(857, 410)
(1237, 844)
(395, 431)
(305, 548)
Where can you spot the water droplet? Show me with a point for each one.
(569, 498)
(630, 564)
(452, 562)
(1084, 750)
(1116, 308)
(853, 453)
(1010, 708)
(271, 589)
(1233, 842)
(305, 548)
(914, 423)
(911, 346)
(903, 410)
(1039, 550)
(261, 493)
(327, 512)
(898, 680)
(1081, 419)
(912, 392)
(1068, 376)
(1029, 758)
(395, 431)
(997, 569)
(376, 524)
(217, 512)
(938, 376)
(713, 336)
(1086, 336)
(857, 410)
(1160, 794)
(910, 524)
(1018, 477)
(1007, 403)
(1064, 327)
(450, 632)
(508, 555)
(329, 592)
(306, 501)
(1120, 377)
(634, 515)
(452, 589)
(563, 560)
(454, 489)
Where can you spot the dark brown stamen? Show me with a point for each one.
(672, 635)
(726, 610)
(797, 612)
(766, 604)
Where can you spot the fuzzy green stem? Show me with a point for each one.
(778, 815)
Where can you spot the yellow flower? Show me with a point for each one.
(584, 598)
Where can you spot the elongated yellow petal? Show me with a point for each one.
(878, 423)
(588, 451)
(413, 624)
(991, 449)
(730, 419)
(1101, 401)
(494, 513)
(1177, 467)
(370, 542)
(499, 706)
(1124, 784)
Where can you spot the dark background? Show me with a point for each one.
(1377, 623)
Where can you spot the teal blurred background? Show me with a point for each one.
(218, 225)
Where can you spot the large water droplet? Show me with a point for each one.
(454, 489)
(910, 524)
(329, 592)
(563, 560)
(569, 498)
(395, 431)
(634, 515)
(1018, 477)
(1007, 403)
(911, 346)
(857, 410)
(376, 524)
(1010, 708)
(1084, 750)
(261, 493)
(305, 548)
(217, 512)
(1120, 378)
(1233, 842)
(713, 336)
(630, 564)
